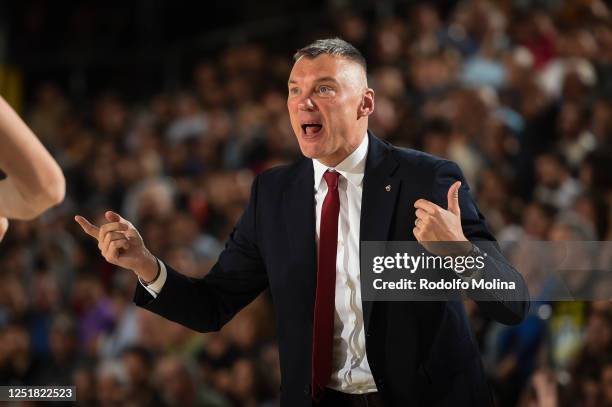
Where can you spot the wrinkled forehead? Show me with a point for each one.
(342, 69)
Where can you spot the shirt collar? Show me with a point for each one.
(352, 167)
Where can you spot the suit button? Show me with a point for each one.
(307, 389)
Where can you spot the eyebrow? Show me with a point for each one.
(322, 79)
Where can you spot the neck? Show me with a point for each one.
(333, 162)
(340, 156)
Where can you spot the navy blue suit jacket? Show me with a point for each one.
(420, 353)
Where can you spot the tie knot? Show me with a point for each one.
(331, 178)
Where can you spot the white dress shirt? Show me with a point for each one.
(350, 369)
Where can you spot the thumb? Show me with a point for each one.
(453, 198)
(112, 216)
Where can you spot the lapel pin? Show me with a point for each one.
(388, 188)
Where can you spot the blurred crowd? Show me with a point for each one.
(519, 95)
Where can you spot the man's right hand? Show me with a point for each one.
(121, 245)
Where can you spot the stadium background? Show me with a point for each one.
(164, 111)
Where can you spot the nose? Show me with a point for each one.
(306, 104)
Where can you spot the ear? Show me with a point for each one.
(367, 103)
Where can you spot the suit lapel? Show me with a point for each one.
(299, 218)
(379, 197)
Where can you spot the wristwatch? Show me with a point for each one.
(473, 253)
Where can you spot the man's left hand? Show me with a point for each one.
(435, 224)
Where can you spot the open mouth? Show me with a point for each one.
(311, 129)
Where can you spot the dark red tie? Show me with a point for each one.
(323, 329)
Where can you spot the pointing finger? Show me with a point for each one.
(88, 227)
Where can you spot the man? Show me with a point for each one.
(34, 182)
(300, 236)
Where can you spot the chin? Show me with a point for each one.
(313, 151)
(309, 153)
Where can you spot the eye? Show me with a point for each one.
(293, 91)
(325, 89)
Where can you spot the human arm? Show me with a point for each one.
(462, 222)
(202, 304)
(34, 181)
(206, 304)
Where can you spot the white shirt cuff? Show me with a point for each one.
(155, 287)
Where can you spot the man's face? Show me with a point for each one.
(329, 104)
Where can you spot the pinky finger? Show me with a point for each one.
(416, 232)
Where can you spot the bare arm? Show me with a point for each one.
(34, 180)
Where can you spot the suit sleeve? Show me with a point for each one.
(206, 304)
(505, 306)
